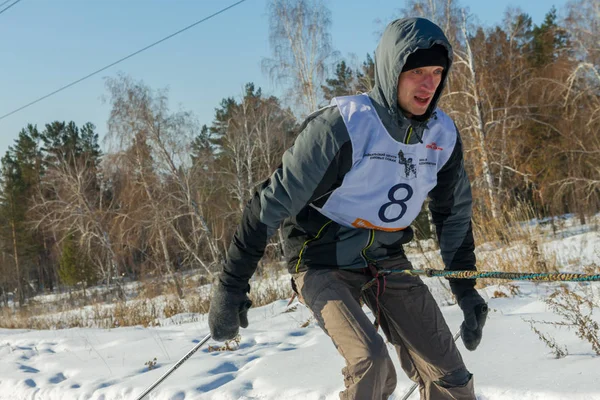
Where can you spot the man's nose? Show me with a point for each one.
(428, 83)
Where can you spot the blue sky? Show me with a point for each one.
(47, 44)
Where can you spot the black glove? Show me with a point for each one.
(475, 310)
(228, 311)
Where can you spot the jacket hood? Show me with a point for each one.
(401, 38)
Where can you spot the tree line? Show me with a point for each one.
(166, 194)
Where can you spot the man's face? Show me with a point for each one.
(416, 88)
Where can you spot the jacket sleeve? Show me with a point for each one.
(451, 209)
(307, 171)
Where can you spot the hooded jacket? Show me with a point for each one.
(315, 166)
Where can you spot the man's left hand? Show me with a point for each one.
(475, 310)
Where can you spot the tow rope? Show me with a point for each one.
(519, 276)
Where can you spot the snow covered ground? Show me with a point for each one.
(285, 355)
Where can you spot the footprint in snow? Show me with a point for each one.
(224, 368)
(256, 346)
(28, 369)
(247, 385)
(106, 384)
(178, 396)
(297, 333)
(248, 344)
(30, 382)
(251, 358)
(58, 378)
(287, 348)
(217, 383)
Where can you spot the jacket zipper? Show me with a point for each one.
(407, 134)
(364, 250)
(305, 245)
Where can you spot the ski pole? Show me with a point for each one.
(415, 385)
(174, 367)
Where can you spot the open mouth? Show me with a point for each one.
(422, 100)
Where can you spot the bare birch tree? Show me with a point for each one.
(301, 47)
(581, 182)
(581, 120)
(444, 13)
(254, 134)
(583, 24)
(156, 143)
(68, 202)
(476, 123)
(251, 134)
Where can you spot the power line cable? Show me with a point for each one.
(8, 6)
(121, 60)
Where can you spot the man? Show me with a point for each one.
(346, 193)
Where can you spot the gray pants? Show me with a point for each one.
(410, 319)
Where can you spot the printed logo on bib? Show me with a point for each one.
(409, 170)
(381, 156)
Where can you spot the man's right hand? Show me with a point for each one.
(228, 311)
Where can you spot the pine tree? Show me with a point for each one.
(201, 148)
(20, 174)
(366, 76)
(68, 271)
(12, 215)
(74, 267)
(90, 148)
(548, 40)
(68, 141)
(342, 84)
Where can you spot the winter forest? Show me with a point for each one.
(158, 200)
